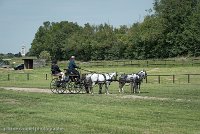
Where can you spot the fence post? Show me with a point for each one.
(46, 77)
(173, 78)
(8, 77)
(192, 61)
(146, 79)
(188, 78)
(27, 76)
(159, 79)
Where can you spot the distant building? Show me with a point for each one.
(28, 62)
(33, 62)
(23, 51)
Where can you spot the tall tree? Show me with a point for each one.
(175, 15)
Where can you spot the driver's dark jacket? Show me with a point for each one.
(55, 69)
(72, 65)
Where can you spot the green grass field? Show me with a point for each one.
(160, 108)
(168, 109)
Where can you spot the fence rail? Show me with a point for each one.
(9, 77)
(147, 63)
(153, 78)
(174, 77)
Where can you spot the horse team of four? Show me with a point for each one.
(134, 79)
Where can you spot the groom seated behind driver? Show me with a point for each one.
(55, 70)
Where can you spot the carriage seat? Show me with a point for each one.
(56, 76)
(53, 74)
(67, 72)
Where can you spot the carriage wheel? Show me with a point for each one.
(61, 89)
(70, 86)
(77, 88)
(82, 88)
(53, 85)
(67, 87)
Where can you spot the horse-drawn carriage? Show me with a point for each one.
(73, 83)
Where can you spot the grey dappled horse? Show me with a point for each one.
(134, 80)
(142, 75)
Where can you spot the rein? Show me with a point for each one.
(92, 71)
(88, 71)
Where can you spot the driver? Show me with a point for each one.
(72, 67)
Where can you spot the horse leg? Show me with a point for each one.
(135, 87)
(87, 85)
(138, 87)
(132, 87)
(91, 87)
(91, 90)
(121, 85)
(106, 88)
(100, 88)
(86, 88)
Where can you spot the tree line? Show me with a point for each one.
(170, 29)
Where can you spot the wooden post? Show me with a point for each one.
(173, 78)
(46, 76)
(188, 78)
(159, 79)
(27, 76)
(8, 77)
(146, 79)
(192, 61)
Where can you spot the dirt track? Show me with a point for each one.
(39, 90)
(35, 90)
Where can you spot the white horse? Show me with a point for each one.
(100, 79)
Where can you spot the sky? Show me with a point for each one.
(20, 19)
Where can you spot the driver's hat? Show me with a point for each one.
(72, 57)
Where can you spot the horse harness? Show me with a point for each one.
(101, 82)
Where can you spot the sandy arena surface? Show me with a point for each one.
(123, 96)
(35, 90)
